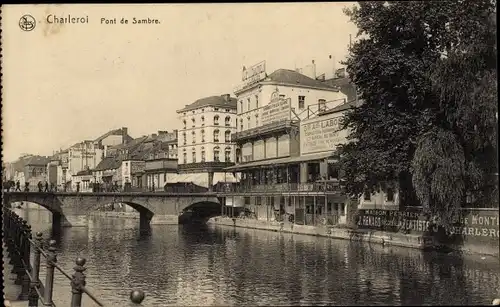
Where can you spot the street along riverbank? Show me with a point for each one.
(418, 241)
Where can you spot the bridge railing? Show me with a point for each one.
(19, 242)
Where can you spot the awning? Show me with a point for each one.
(224, 177)
(201, 179)
(198, 179)
(281, 161)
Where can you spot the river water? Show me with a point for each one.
(214, 265)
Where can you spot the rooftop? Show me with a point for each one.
(345, 85)
(84, 172)
(223, 101)
(37, 160)
(109, 163)
(293, 78)
(121, 131)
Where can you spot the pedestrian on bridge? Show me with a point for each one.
(46, 186)
(26, 187)
(40, 186)
(18, 186)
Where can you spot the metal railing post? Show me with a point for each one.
(25, 258)
(13, 240)
(18, 267)
(78, 282)
(49, 277)
(35, 273)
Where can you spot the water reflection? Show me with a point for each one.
(204, 265)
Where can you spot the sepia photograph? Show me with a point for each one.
(250, 154)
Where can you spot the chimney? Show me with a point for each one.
(162, 132)
(226, 97)
(332, 61)
(154, 135)
(313, 70)
(124, 134)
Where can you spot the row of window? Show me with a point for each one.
(248, 123)
(302, 103)
(249, 104)
(227, 136)
(227, 121)
(227, 155)
(203, 110)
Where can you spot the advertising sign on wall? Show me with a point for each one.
(473, 223)
(276, 111)
(321, 134)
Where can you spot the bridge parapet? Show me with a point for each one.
(73, 208)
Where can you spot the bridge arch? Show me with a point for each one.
(200, 212)
(46, 202)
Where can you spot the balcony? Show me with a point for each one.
(206, 166)
(325, 186)
(263, 130)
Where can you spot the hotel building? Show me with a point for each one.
(205, 147)
(287, 131)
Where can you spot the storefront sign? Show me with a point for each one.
(321, 134)
(137, 167)
(275, 112)
(472, 223)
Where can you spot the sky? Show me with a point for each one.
(63, 84)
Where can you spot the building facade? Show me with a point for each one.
(288, 128)
(88, 154)
(35, 170)
(205, 146)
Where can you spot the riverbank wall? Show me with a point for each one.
(418, 241)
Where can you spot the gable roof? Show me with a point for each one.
(37, 160)
(127, 138)
(131, 144)
(108, 163)
(212, 101)
(294, 78)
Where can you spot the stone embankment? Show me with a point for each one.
(339, 232)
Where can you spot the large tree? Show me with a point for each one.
(425, 72)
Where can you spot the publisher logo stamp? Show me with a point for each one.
(27, 23)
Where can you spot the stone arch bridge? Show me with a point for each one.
(72, 209)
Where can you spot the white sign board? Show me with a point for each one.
(252, 75)
(276, 111)
(321, 134)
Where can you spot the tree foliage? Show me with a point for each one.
(426, 73)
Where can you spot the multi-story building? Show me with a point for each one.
(287, 129)
(35, 170)
(57, 169)
(144, 163)
(305, 188)
(205, 146)
(88, 154)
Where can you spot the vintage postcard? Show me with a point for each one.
(227, 154)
